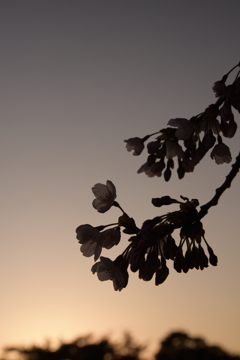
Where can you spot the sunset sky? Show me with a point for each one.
(77, 79)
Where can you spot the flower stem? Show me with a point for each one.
(118, 205)
(111, 224)
(154, 133)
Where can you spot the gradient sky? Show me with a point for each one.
(77, 78)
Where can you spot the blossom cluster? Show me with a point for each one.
(189, 140)
(92, 239)
(151, 246)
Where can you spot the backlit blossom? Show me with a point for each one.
(219, 88)
(221, 154)
(226, 112)
(106, 269)
(193, 236)
(136, 144)
(153, 147)
(89, 237)
(105, 196)
(173, 149)
(229, 128)
(184, 128)
(150, 266)
(162, 273)
(110, 237)
(147, 169)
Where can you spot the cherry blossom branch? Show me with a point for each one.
(221, 189)
(153, 244)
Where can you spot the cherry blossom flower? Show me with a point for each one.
(137, 257)
(184, 128)
(221, 154)
(173, 149)
(105, 196)
(89, 237)
(136, 144)
(110, 237)
(226, 112)
(153, 146)
(107, 270)
(147, 169)
(162, 273)
(158, 167)
(219, 88)
(194, 257)
(150, 266)
(212, 257)
(228, 128)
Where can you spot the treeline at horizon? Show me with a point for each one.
(177, 345)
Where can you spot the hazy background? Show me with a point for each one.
(77, 78)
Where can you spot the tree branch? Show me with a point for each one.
(221, 189)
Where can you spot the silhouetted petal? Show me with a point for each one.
(221, 154)
(203, 260)
(179, 261)
(135, 144)
(153, 147)
(122, 263)
(147, 169)
(105, 196)
(195, 257)
(212, 257)
(184, 128)
(167, 174)
(188, 263)
(226, 112)
(170, 248)
(181, 171)
(110, 237)
(158, 167)
(150, 266)
(173, 149)
(219, 87)
(229, 128)
(89, 237)
(162, 273)
(107, 270)
(137, 258)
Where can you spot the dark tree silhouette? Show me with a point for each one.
(83, 348)
(180, 346)
(176, 346)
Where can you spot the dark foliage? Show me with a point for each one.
(176, 346)
(180, 346)
(83, 349)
